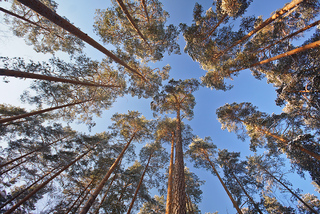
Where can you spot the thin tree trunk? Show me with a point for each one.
(9, 119)
(13, 208)
(78, 198)
(130, 19)
(190, 204)
(123, 190)
(31, 185)
(139, 185)
(216, 26)
(43, 10)
(284, 10)
(291, 35)
(22, 156)
(15, 73)
(288, 53)
(143, 2)
(246, 193)
(8, 170)
(82, 200)
(301, 148)
(179, 192)
(223, 184)
(105, 194)
(170, 178)
(94, 195)
(294, 194)
(27, 20)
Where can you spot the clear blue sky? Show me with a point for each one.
(204, 123)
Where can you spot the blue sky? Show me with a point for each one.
(204, 123)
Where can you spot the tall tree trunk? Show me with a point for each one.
(190, 204)
(13, 208)
(22, 156)
(78, 198)
(26, 189)
(82, 200)
(15, 73)
(46, 12)
(284, 10)
(170, 178)
(139, 185)
(130, 19)
(216, 26)
(223, 184)
(105, 194)
(9, 119)
(285, 186)
(290, 36)
(246, 193)
(179, 192)
(143, 2)
(8, 170)
(94, 195)
(283, 140)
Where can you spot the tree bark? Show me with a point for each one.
(223, 184)
(31, 185)
(179, 192)
(246, 193)
(105, 194)
(44, 183)
(15, 73)
(22, 156)
(43, 10)
(130, 19)
(74, 203)
(94, 195)
(284, 10)
(285, 186)
(5, 120)
(139, 185)
(170, 178)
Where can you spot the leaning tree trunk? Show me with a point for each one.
(94, 195)
(25, 155)
(26, 189)
(284, 10)
(27, 20)
(223, 184)
(139, 185)
(170, 178)
(5, 120)
(130, 19)
(16, 73)
(8, 170)
(82, 200)
(179, 192)
(216, 26)
(246, 193)
(13, 208)
(282, 140)
(78, 198)
(46, 12)
(285, 186)
(143, 2)
(290, 36)
(105, 194)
